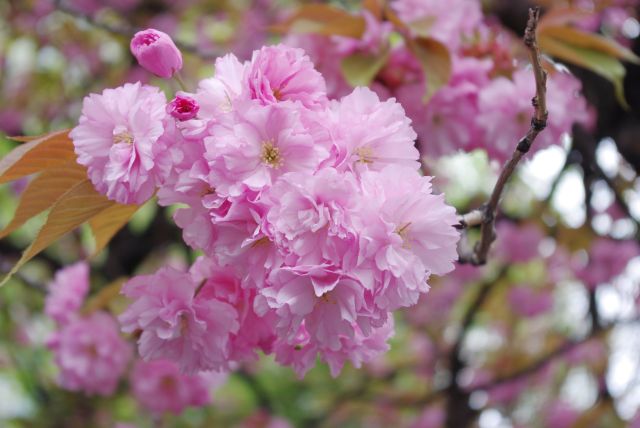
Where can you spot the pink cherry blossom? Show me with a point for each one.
(446, 123)
(506, 111)
(281, 73)
(90, 354)
(407, 235)
(518, 244)
(160, 387)
(328, 302)
(225, 284)
(192, 331)
(448, 22)
(527, 302)
(183, 107)
(370, 134)
(263, 143)
(607, 259)
(156, 52)
(67, 292)
(309, 217)
(117, 140)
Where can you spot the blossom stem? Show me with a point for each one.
(178, 78)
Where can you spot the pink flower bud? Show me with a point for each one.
(183, 107)
(156, 52)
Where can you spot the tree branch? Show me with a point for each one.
(485, 216)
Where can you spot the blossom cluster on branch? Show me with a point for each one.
(314, 220)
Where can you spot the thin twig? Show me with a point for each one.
(478, 256)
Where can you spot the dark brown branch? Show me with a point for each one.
(478, 256)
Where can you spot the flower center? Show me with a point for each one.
(271, 154)
(149, 38)
(121, 135)
(326, 298)
(403, 231)
(365, 154)
(277, 94)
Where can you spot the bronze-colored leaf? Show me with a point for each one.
(322, 19)
(107, 223)
(46, 151)
(43, 191)
(435, 59)
(77, 205)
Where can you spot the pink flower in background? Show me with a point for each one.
(375, 37)
(160, 387)
(156, 52)
(183, 107)
(506, 111)
(607, 259)
(90, 354)
(117, 140)
(527, 302)
(516, 243)
(67, 292)
(432, 417)
(370, 134)
(281, 73)
(446, 123)
(561, 415)
(192, 331)
(449, 22)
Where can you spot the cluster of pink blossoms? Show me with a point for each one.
(313, 217)
(487, 102)
(92, 356)
(89, 351)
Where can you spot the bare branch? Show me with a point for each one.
(538, 123)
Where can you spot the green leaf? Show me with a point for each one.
(361, 69)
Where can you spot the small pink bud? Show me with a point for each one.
(183, 107)
(156, 52)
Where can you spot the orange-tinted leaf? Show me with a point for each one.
(574, 37)
(76, 206)
(104, 296)
(106, 224)
(322, 19)
(563, 16)
(600, 63)
(46, 151)
(43, 191)
(435, 59)
(376, 7)
(395, 20)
